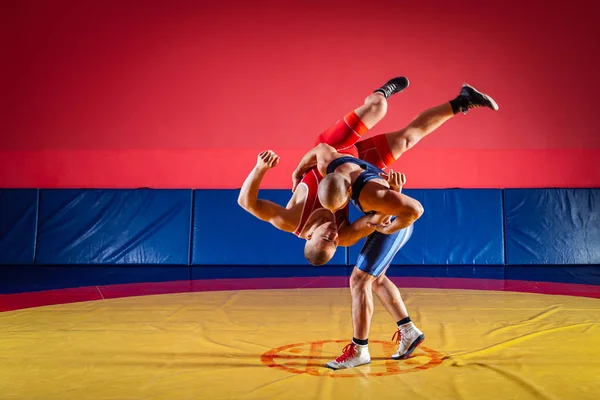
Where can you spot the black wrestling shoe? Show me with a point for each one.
(393, 86)
(470, 97)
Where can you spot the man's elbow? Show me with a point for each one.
(412, 212)
(416, 210)
(251, 207)
(243, 202)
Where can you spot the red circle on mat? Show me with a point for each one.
(296, 359)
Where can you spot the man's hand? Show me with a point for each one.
(296, 179)
(396, 180)
(381, 223)
(267, 159)
(350, 234)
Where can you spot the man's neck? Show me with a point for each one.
(317, 218)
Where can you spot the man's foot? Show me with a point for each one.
(352, 356)
(470, 97)
(408, 337)
(393, 86)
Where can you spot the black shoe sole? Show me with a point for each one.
(494, 105)
(412, 348)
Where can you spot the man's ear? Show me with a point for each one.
(309, 236)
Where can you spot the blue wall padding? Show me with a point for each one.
(552, 226)
(224, 233)
(459, 227)
(141, 226)
(18, 220)
(31, 278)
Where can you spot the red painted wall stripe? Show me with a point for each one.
(227, 168)
(164, 94)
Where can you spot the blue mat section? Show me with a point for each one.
(580, 274)
(18, 220)
(102, 237)
(19, 279)
(459, 227)
(224, 233)
(552, 226)
(33, 278)
(142, 226)
(274, 271)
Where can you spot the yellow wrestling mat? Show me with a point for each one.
(272, 344)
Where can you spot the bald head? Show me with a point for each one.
(318, 252)
(334, 191)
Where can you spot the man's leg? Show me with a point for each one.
(348, 130)
(408, 337)
(383, 150)
(357, 352)
(425, 123)
(390, 297)
(375, 256)
(362, 304)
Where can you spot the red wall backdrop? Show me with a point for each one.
(186, 93)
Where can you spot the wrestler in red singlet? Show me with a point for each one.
(343, 136)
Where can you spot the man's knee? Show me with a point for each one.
(403, 140)
(379, 282)
(376, 105)
(360, 281)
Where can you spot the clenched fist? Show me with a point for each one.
(267, 159)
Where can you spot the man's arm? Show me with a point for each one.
(265, 210)
(350, 234)
(406, 210)
(310, 159)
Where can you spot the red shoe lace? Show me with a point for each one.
(347, 352)
(397, 336)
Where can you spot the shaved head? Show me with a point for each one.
(334, 191)
(318, 252)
